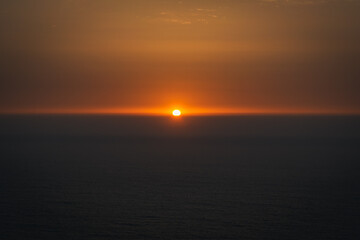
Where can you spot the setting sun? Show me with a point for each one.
(176, 113)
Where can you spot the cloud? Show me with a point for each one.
(189, 16)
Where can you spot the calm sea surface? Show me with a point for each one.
(115, 177)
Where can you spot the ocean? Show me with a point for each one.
(212, 177)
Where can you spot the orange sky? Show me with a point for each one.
(150, 56)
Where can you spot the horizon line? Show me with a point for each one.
(185, 112)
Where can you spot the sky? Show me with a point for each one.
(202, 56)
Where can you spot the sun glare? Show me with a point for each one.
(176, 113)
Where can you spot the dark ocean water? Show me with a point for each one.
(113, 177)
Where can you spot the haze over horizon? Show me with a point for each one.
(141, 56)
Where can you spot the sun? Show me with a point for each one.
(176, 113)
